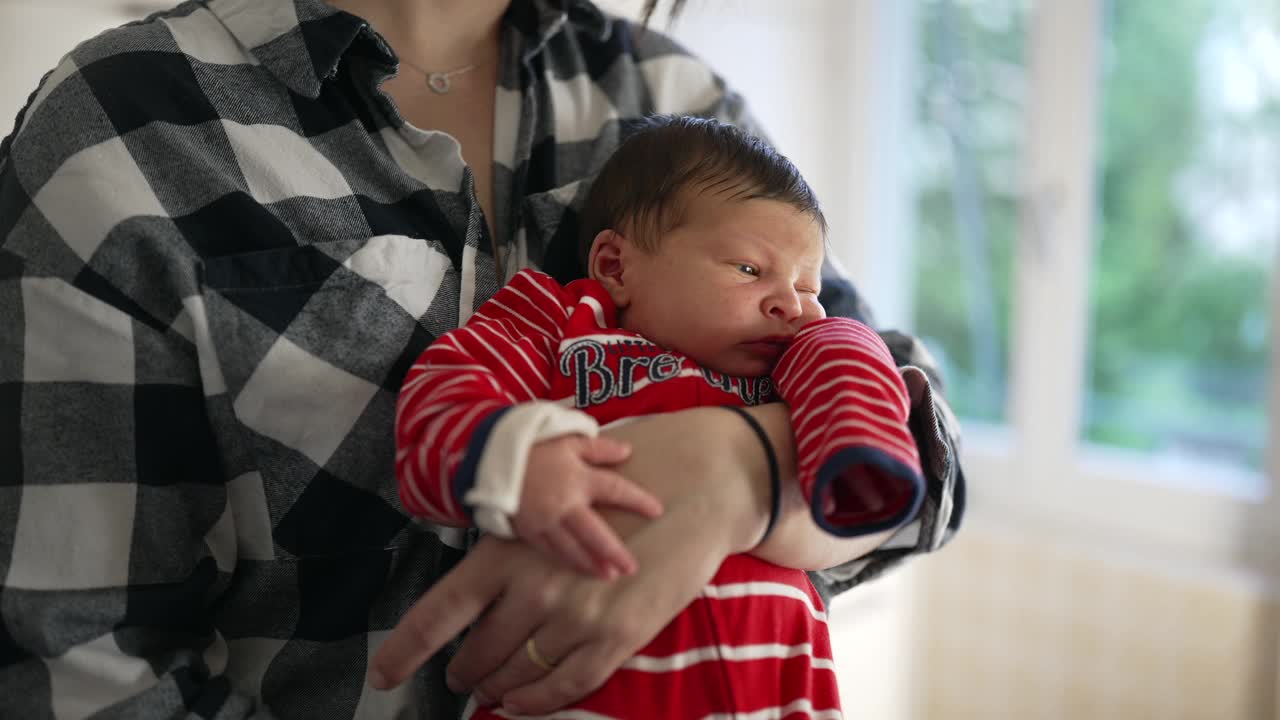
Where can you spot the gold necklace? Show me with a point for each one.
(439, 82)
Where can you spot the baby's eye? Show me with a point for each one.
(748, 269)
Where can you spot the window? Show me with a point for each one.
(967, 160)
(1182, 202)
(1188, 220)
(1110, 172)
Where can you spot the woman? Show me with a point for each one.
(226, 233)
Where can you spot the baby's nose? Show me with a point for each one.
(785, 306)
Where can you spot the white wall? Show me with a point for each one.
(796, 65)
(35, 34)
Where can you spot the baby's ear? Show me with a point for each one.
(606, 263)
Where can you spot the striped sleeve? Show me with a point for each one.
(859, 467)
(454, 395)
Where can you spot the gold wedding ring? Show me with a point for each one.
(531, 650)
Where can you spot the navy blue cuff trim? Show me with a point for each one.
(465, 479)
(849, 459)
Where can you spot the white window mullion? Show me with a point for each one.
(1273, 414)
(1263, 530)
(1051, 317)
(883, 56)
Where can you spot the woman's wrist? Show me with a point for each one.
(771, 459)
(746, 465)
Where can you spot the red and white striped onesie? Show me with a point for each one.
(755, 639)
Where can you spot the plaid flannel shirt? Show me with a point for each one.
(220, 250)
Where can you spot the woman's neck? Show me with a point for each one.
(436, 35)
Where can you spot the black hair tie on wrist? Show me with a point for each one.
(775, 481)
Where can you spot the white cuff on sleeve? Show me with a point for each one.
(495, 496)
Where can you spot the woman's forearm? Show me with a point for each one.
(711, 458)
(704, 459)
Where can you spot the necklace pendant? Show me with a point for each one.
(438, 82)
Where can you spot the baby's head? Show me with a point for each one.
(708, 240)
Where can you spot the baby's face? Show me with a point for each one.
(731, 285)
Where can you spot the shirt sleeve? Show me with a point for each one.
(680, 83)
(857, 465)
(469, 409)
(115, 534)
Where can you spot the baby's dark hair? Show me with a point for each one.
(642, 190)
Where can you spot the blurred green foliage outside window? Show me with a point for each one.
(1187, 215)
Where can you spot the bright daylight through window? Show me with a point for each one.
(1186, 217)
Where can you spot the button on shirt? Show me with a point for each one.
(220, 250)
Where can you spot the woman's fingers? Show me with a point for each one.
(612, 621)
(520, 669)
(577, 675)
(500, 634)
(439, 615)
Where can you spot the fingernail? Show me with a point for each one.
(377, 679)
(513, 709)
(482, 699)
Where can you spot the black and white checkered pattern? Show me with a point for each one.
(220, 249)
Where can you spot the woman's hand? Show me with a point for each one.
(585, 626)
(716, 504)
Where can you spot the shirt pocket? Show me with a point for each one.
(312, 343)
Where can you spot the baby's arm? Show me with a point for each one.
(470, 415)
(857, 463)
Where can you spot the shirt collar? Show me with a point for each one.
(298, 41)
(541, 20)
(301, 42)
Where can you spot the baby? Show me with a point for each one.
(703, 250)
